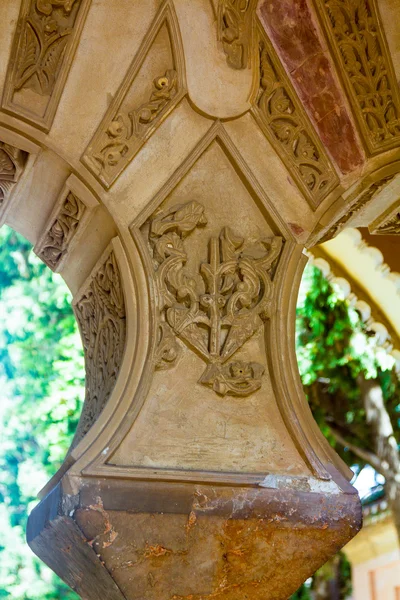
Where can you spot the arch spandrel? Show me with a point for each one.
(223, 169)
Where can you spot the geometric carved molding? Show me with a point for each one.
(359, 46)
(46, 37)
(358, 205)
(100, 312)
(217, 310)
(63, 226)
(151, 89)
(284, 121)
(234, 30)
(12, 163)
(388, 223)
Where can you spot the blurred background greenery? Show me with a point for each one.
(41, 393)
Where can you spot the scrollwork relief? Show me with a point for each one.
(234, 31)
(12, 163)
(39, 58)
(62, 231)
(358, 42)
(152, 87)
(129, 126)
(102, 320)
(219, 308)
(283, 119)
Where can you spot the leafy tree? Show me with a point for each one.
(354, 394)
(41, 382)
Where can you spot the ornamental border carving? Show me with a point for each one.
(359, 47)
(64, 228)
(12, 164)
(234, 24)
(282, 118)
(119, 137)
(357, 206)
(388, 223)
(101, 314)
(44, 44)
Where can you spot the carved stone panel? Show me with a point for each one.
(388, 223)
(212, 254)
(55, 245)
(216, 310)
(284, 120)
(151, 89)
(100, 312)
(46, 38)
(234, 30)
(12, 163)
(358, 41)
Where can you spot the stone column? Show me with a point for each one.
(178, 167)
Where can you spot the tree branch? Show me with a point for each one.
(365, 455)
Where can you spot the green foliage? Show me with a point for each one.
(334, 350)
(42, 385)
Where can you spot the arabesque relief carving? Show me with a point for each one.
(234, 31)
(152, 87)
(46, 31)
(359, 45)
(102, 320)
(128, 127)
(284, 121)
(388, 223)
(63, 229)
(216, 310)
(12, 163)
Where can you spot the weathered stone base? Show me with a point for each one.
(172, 541)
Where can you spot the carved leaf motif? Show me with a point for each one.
(186, 218)
(62, 231)
(46, 6)
(289, 129)
(46, 32)
(51, 63)
(234, 22)
(217, 312)
(358, 43)
(12, 163)
(102, 320)
(29, 56)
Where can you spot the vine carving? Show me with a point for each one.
(127, 127)
(234, 31)
(62, 231)
(215, 311)
(102, 321)
(360, 48)
(45, 34)
(288, 129)
(41, 56)
(12, 162)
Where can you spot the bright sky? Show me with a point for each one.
(367, 479)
